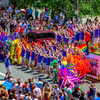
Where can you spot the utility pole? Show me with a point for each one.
(76, 10)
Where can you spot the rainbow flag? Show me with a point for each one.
(82, 47)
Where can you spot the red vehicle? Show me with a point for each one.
(37, 36)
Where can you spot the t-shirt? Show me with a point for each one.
(66, 40)
(39, 84)
(25, 90)
(69, 92)
(7, 62)
(33, 56)
(27, 54)
(64, 53)
(57, 92)
(30, 11)
(36, 13)
(58, 38)
(28, 98)
(20, 95)
(39, 58)
(54, 47)
(23, 53)
(77, 36)
(44, 60)
(98, 98)
(63, 37)
(37, 91)
(31, 86)
(62, 98)
(96, 33)
(81, 35)
(99, 32)
(48, 61)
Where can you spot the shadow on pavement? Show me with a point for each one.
(35, 73)
(49, 80)
(40, 75)
(25, 69)
(2, 79)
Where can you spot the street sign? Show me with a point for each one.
(76, 11)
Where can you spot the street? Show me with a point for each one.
(18, 72)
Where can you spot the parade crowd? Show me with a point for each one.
(15, 24)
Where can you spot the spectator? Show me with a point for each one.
(36, 14)
(46, 94)
(53, 96)
(30, 11)
(91, 94)
(56, 89)
(36, 90)
(20, 95)
(34, 96)
(14, 94)
(39, 83)
(9, 9)
(98, 96)
(76, 93)
(19, 86)
(29, 96)
(31, 82)
(82, 96)
(61, 96)
(25, 88)
(68, 90)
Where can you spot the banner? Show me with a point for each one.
(94, 61)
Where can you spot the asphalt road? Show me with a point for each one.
(18, 72)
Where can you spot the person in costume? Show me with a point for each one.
(18, 52)
(54, 69)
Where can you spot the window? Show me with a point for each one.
(41, 35)
(45, 35)
(51, 35)
(31, 35)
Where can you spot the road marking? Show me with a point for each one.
(2, 74)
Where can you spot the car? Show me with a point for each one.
(40, 36)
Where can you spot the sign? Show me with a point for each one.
(76, 11)
(95, 64)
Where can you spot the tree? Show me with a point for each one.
(85, 7)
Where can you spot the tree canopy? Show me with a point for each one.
(85, 7)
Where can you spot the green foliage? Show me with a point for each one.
(86, 7)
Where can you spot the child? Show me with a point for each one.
(7, 65)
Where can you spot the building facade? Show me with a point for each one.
(4, 3)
